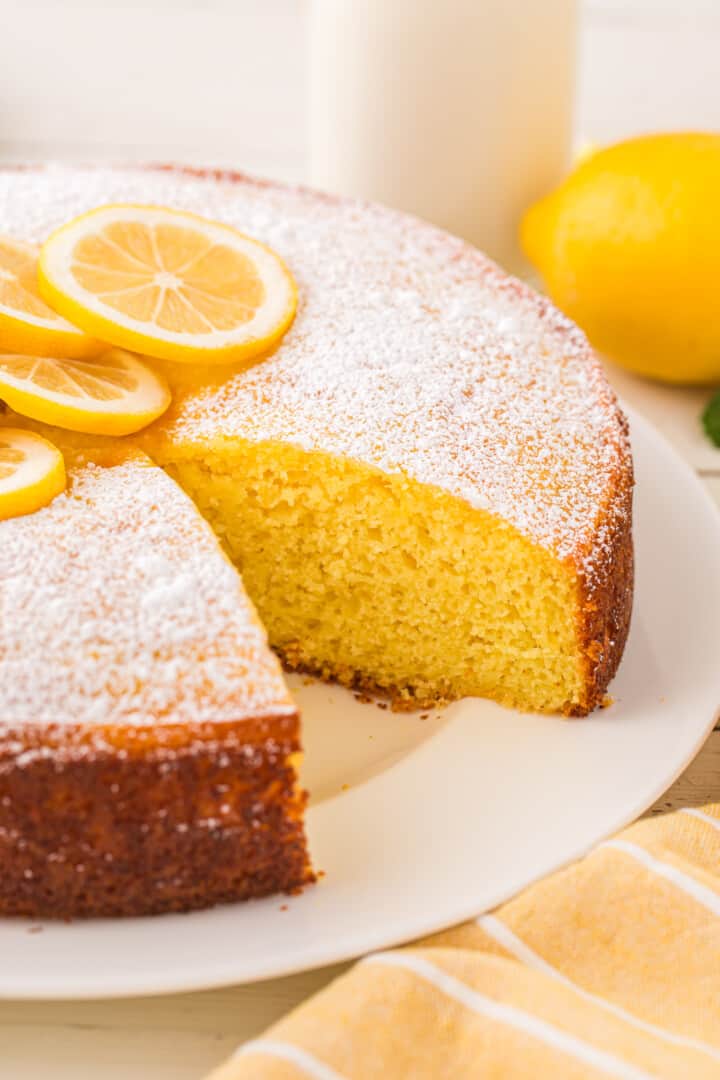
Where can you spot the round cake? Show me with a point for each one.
(426, 489)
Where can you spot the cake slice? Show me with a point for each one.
(147, 739)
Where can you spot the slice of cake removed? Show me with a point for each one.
(146, 734)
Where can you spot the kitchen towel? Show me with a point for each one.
(608, 968)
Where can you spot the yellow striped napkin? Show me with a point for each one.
(610, 968)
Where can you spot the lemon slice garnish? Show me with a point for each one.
(112, 394)
(32, 472)
(27, 324)
(168, 283)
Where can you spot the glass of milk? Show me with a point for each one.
(459, 111)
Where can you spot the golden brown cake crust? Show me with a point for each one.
(606, 588)
(137, 821)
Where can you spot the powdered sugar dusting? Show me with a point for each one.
(134, 614)
(410, 351)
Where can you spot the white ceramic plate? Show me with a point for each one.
(419, 823)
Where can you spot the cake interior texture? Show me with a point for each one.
(387, 584)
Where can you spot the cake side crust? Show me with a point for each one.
(606, 585)
(148, 820)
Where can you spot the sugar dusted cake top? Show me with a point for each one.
(118, 607)
(410, 351)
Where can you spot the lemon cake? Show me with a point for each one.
(147, 737)
(426, 487)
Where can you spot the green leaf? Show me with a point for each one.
(711, 419)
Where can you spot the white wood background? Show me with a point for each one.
(222, 82)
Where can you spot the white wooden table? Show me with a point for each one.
(239, 109)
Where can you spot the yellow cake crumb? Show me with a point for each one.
(408, 591)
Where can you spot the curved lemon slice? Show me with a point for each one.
(27, 324)
(112, 394)
(32, 472)
(168, 283)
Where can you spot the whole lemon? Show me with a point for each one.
(629, 247)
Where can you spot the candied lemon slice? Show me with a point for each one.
(112, 394)
(168, 283)
(27, 324)
(32, 472)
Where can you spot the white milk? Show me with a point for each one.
(459, 111)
